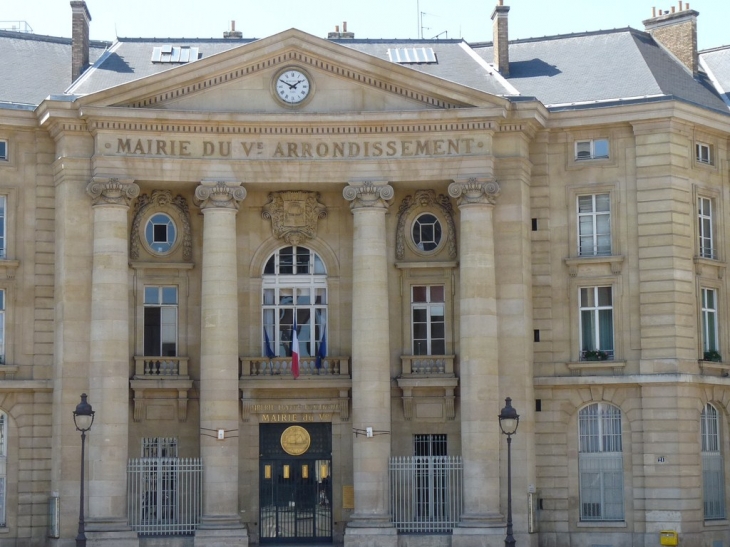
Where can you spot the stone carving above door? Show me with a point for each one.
(294, 215)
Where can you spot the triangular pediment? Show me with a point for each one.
(242, 80)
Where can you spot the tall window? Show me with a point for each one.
(709, 320)
(3, 239)
(596, 323)
(160, 321)
(703, 153)
(427, 320)
(704, 217)
(2, 327)
(594, 225)
(294, 285)
(3, 150)
(3, 464)
(713, 480)
(600, 461)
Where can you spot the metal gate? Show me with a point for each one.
(295, 489)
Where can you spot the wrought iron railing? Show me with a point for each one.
(164, 495)
(281, 366)
(426, 493)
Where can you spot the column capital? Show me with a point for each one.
(368, 194)
(112, 191)
(218, 194)
(475, 190)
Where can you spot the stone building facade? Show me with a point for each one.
(432, 226)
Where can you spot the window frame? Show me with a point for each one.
(700, 157)
(171, 246)
(294, 281)
(428, 305)
(4, 155)
(3, 468)
(594, 214)
(571, 203)
(601, 460)
(705, 223)
(161, 305)
(591, 149)
(705, 312)
(711, 452)
(595, 310)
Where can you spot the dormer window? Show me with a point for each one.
(174, 54)
(593, 149)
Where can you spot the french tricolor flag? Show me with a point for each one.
(294, 351)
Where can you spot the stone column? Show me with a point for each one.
(221, 523)
(109, 362)
(370, 523)
(478, 358)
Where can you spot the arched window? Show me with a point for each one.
(294, 285)
(600, 461)
(3, 465)
(712, 465)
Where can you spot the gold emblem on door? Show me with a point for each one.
(295, 440)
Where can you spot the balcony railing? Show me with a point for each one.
(156, 367)
(428, 364)
(281, 366)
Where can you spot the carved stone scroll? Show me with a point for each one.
(220, 194)
(368, 194)
(474, 190)
(112, 191)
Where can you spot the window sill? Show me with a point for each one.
(716, 523)
(4, 530)
(708, 265)
(614, 261)
(8, 372)
(600, 524)
(578, 367)
(724, 368)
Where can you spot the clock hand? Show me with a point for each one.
(287, 83)
(296, 84)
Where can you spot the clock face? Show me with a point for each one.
(292, 86)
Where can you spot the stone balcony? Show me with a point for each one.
(160, 378)
(428, 383)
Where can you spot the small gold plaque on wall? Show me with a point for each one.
(295, 440)
(348, 497)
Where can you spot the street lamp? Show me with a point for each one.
(83, 419)
(508, 422)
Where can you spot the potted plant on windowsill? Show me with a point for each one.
(713, 356)
(595, 355)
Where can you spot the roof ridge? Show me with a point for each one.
(47, 38)
(713, 49)
(559, 36)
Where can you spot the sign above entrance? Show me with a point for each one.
(313, 148)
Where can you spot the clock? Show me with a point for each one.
(292, 86)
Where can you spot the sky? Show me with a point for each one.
(468, 19)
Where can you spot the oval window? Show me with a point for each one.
(160, 233)
(427, 232)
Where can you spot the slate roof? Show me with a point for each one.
(717, 64)
(570, 71)
(576, 69)
(35, 66)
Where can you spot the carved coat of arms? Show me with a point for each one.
(294, 215)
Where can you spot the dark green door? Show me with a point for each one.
(295, 492)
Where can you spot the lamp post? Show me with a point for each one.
(83, 419)
(508, 422)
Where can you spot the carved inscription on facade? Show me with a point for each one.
(292, 149)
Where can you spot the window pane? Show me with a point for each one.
(286, 296)
(302, 260)
(437, 313)
(600, 148)
(604, 296)
(585, 204)
(151, 295)
(420, 315)
(321, 296)
(169, 295)
(420, 347)
(319, 266)
(588, 334)
(303, 297)
(437, 293)
(586, 297)
(152, 331)
(603, 203)
(420, 294)
(438, 347)
(437, 330)
(420, 331)
(269, 296)
(286, 260)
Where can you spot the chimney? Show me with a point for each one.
(80, 19)
(233, 33)
(501, 38)
(344, 35)
(676, 30)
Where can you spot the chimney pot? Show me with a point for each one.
(653, 11)
(680, 5)
(337, 28)
(344, 26)
(233, 26)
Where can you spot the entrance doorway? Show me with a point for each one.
(295, 484)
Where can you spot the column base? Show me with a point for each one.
(480, 531)
(110, 533)
(221, 531)
(370, 531)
